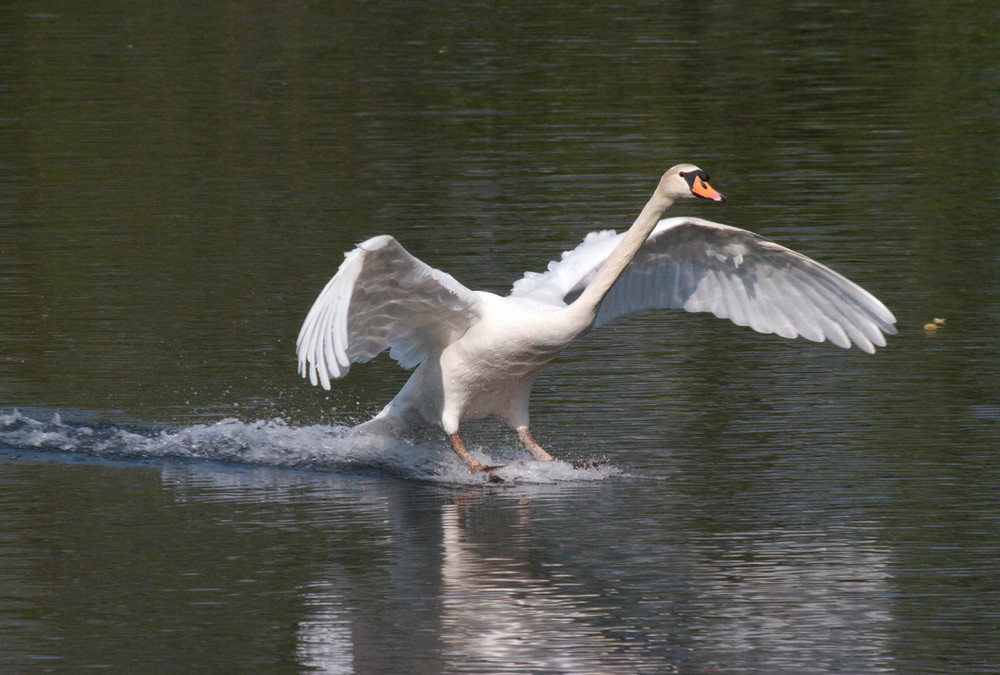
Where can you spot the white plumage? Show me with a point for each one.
(382, 298)
(701, 266)
(478, 354)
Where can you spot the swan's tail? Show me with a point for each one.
(394, 420)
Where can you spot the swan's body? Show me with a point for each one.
(477, 354)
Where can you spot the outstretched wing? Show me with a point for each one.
(382, 298)
(700, 266)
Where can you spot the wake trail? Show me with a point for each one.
(275, 443)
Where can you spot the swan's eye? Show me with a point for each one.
(683, 174)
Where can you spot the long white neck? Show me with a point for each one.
(622, 254)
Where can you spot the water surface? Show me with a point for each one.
(178, 183)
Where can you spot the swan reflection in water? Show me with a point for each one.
(493, 609)
(501, 611)
(491, 597)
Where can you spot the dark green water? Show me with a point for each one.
(177, 183)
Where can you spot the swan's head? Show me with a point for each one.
(687, 180)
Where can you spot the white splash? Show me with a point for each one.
(276, 443)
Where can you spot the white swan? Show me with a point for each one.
(477, 354)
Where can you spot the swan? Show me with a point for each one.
(477, 354)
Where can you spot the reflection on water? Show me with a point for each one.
(494, 598)
(325, 640)
(503, 615)
(765, 601)
(373, 572)
(447, 579)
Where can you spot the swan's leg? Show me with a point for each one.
(529, 442)
(459, 447)
(532, 445)
(474, 466)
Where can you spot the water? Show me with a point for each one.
(177, 184)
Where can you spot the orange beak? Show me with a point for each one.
(706, 191)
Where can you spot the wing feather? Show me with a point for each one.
(382, 298)
(700, 266)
